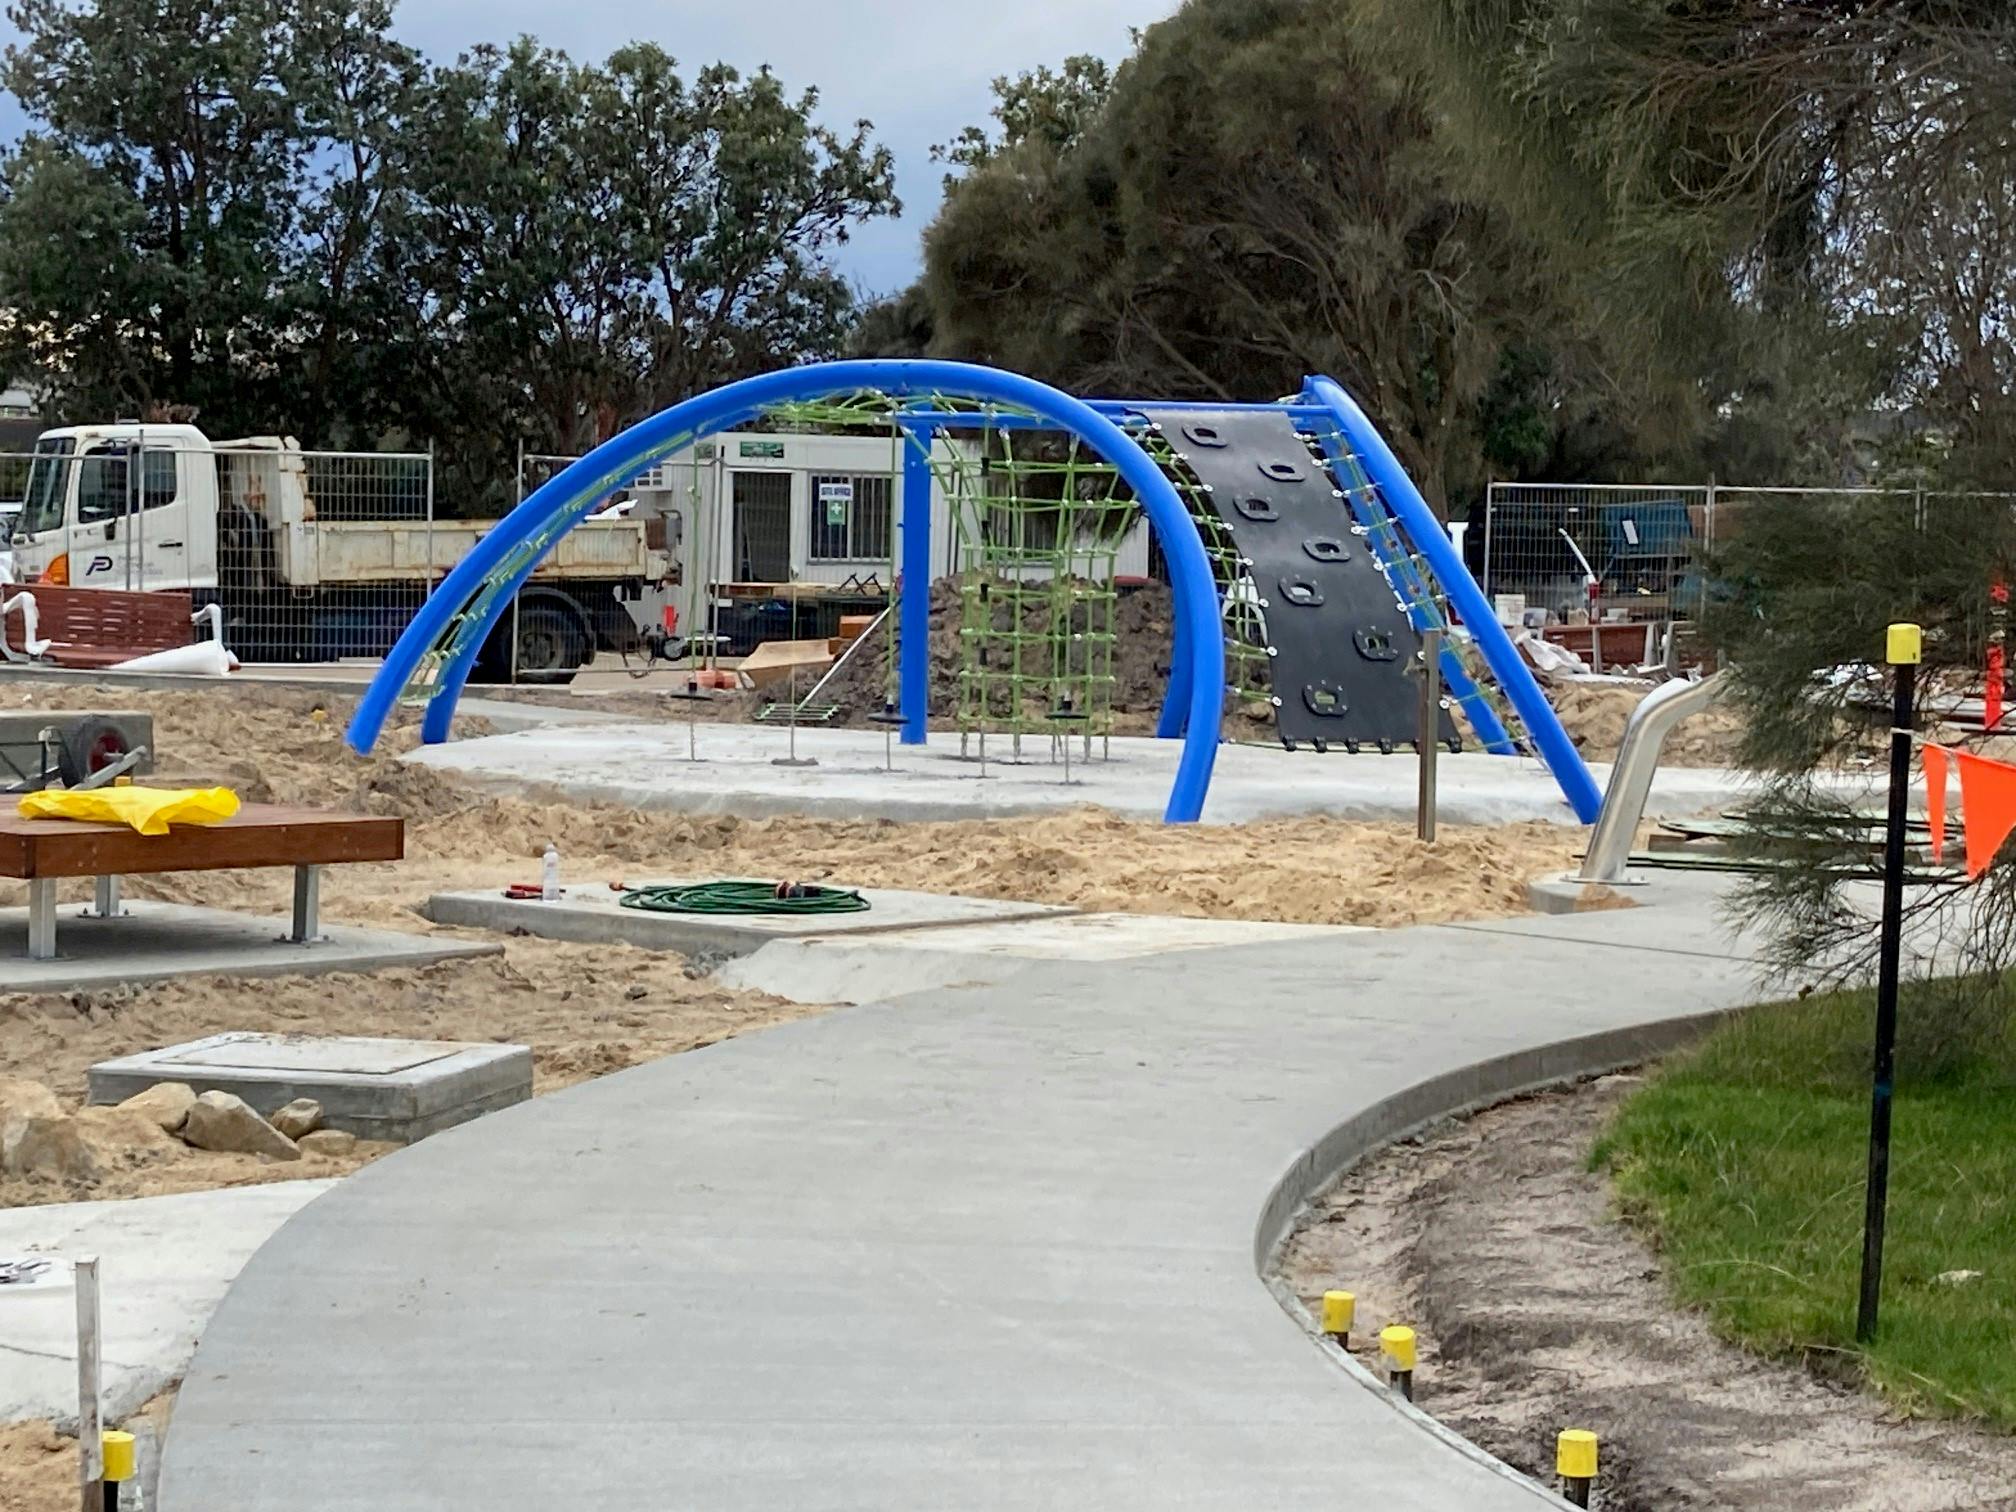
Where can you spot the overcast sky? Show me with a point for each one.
(919, 71)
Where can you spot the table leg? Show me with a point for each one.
(42, 919)
(307, 904)
(105, 900)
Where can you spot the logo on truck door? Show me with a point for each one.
(99, 563)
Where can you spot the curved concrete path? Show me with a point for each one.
(984, 1248)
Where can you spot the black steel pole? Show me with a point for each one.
(1903, 657)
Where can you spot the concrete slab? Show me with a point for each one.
(154, 942)
(646, 766)
(855, 969)
(595, 915)
(395, 1089)
(987, 1248)
(165, 1263)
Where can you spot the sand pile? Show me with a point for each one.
(1594, 714)
(1142, 625)
(1301, 870)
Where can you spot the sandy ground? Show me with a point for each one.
(281, 745)
(1594, 715)
(1538, 1311)
(38, 1467)
(588, 1010)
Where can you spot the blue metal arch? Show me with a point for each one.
(568, 497)
(1556, 749)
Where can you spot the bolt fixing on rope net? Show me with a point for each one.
(1396, 1349)
(1340, 1309)
(1575, 1463)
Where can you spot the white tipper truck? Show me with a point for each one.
(132, 506)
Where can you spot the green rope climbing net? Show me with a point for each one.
(1037, 523)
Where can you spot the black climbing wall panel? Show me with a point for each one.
(1343, 656)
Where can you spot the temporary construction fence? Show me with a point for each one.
(1632, 551)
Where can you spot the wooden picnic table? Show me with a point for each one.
(42, 851)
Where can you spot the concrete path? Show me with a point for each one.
(163, 1264)
(647, 766)
(988, 1248)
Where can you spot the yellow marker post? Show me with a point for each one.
(1575, 1463)
(119, 1464)
(1340, 1310)
(1903, 647)
(1396, 1347)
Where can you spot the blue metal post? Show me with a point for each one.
(1433, 542)
(913, 642)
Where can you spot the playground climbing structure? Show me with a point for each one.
(1292, 522)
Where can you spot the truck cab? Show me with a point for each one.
(119, 506)
(301, 578)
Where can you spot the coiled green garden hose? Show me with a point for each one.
(746, 898)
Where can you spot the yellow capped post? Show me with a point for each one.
(119, 1455)
(1340, 1310)
(1906, 646)
(1575, 1463)
(1396, 1347)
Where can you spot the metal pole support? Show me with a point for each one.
(307, 925)
(42, 919)
(1429, 735)
(105, 901)
(1904, 651)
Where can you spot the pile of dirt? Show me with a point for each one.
(287, 745)
(1595, 713)
(1142, 623)
(1538, 1311)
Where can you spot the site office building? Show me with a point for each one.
(760, 508)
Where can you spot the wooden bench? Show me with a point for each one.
(101, 627)
(43, 851)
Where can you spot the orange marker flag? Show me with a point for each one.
(1935, 798)
(1988, 794)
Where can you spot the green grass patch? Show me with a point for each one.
(1745, 1160)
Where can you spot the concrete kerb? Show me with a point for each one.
(1451, 1095)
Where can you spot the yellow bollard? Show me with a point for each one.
(1396, 1347)
(119, 1458)
(1340, 1309)
(1575, 1463)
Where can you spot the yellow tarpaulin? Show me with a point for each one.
(148, 810)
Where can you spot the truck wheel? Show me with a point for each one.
(551, 647)
(90, 745)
